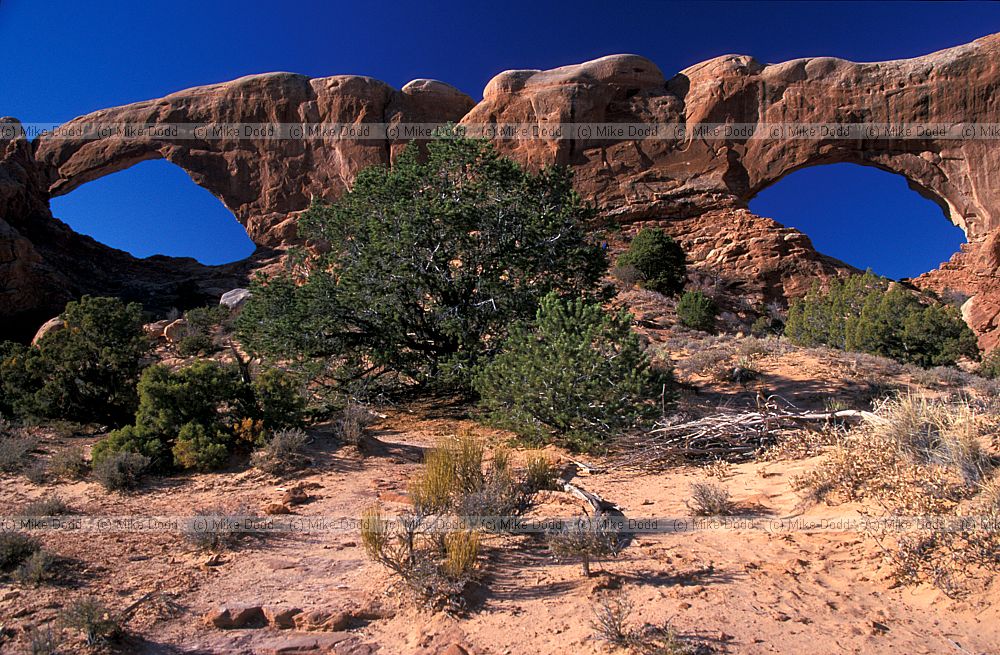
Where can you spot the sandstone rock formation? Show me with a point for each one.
(698, 189)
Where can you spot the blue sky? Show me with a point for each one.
(62, 59)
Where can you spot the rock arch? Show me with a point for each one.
(697, 188)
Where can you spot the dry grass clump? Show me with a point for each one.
(93, 619)
(759, 347)
(799, 444)
(69, 463)
(15, 549)
(36, 570)
(915, 455)
(461, 550)
(612, 615)
(707, 360)
(16, 446)
(936, 433)
(46, 506)
(217, 528)
(921, 457)
(539, 474)
(121, 472)
(585, 539)
(435, 568)
(454, 479)
(352, 422)
(282, 453)
(708, 499)
(457, 483)
(44, 641)
(743, 371)
(953, 558)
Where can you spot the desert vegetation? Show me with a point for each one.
(450, 360)
(865, 313)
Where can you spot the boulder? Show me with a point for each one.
(175, 330)
(282, 618)
(156, 329)
(323, 620)
(48, 327)
(237, 616)
(234, 299)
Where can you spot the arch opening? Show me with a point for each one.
(863, 216)
(154, 208)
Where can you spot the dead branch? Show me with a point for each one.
(722, 435)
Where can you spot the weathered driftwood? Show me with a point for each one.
(602, 509)
(725, 434)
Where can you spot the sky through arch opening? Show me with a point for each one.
(863, 216)
(154, 208)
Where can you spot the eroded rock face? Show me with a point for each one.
(696, 189)
(264, 182)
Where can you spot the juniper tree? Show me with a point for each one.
(426, 264)
(867, 313)
(658, 259)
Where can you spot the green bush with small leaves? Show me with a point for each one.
(697, 311)
(766, 326)
(658, 259)
(279, 400)
(199, 448)
(203, 394)
(577, 377)
(189, 417)
(86, 371)
(202, 324)
(990, 366)
(870, 314)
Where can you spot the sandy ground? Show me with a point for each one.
(731, 591)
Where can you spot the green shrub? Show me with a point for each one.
(85, 372)
(697, 311)
(279, 400)
(196, 344)
(15, 548)
(121, 471)
(990, 366)
(866, 313)
(131, 439)
(196, 416)
(659, 261)
(198, 448)
(202, 323)
(430, 261)
(765, 326)
(577, 377)
(171, 402)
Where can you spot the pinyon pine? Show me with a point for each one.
(577, 377)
